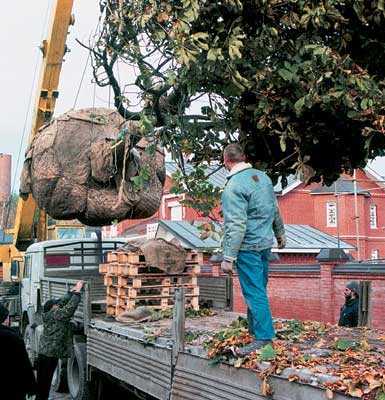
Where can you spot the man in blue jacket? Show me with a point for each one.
(251, 214)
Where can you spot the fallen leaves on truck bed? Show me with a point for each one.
(350, 361)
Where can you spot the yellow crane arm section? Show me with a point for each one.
(53, 52)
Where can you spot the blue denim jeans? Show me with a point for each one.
(253, 270)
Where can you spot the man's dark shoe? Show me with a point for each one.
(251, 347)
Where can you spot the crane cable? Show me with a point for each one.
(86, 63)
(37, 62)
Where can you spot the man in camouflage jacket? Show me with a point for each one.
(56, 339)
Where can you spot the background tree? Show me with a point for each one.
(299, 83)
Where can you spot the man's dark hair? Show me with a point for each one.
(234, 153)
(3, 313)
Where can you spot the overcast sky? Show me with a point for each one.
(21, 32)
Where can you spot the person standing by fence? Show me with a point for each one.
(349, 311)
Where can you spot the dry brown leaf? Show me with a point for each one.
(329, 394)
(373, 383)
(355, 392)
(293, 378)
(320, 343)
(266, 389)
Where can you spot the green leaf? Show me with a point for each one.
(364, 104)
(285, 74)
(234, 52)
(267, 353)
(215, 53)
(380, 396)
(338, 94)
(214, 361)
(282, 143)
(299, 104)
(344, 344)
(199, 39)
(238, 363)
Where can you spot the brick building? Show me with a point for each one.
(351, 213)
(358, 219)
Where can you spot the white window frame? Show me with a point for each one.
(373, 216)
(374, 254)
(176, 211)
(331, 222)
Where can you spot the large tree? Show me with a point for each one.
(299, 83)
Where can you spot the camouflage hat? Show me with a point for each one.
(3, 313)
(49, 303)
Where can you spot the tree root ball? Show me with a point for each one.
(92, 165)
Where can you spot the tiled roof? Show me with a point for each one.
(299, 237)
(189, 234)
(307, 237)
(342, 185)
(218, 175)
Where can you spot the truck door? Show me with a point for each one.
(26, 282)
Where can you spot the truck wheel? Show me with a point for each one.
(59, 380)
(76, 373)
(30, 346)
(98, 387)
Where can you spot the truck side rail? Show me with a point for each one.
(78, 255)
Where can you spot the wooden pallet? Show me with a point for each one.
(117, 305)
(130, 283)
(141, 269)
(149, 292)
(122, 257)
(143, 280)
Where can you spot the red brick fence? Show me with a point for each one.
(315, 291)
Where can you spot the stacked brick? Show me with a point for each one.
(131, 283)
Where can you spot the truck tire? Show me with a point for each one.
(98, 386)
(76, 373)
(59, 380)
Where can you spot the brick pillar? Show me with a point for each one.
(328, 258)
(326, 291)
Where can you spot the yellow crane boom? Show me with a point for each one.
(53, 50)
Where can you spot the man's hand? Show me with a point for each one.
(281, 242)
(78, 287)
(227, 265)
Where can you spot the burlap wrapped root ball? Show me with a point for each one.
(75, 168)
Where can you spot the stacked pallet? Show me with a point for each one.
(131, 283)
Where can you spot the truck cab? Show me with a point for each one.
(60, 231)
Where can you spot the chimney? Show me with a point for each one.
(5, 184)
